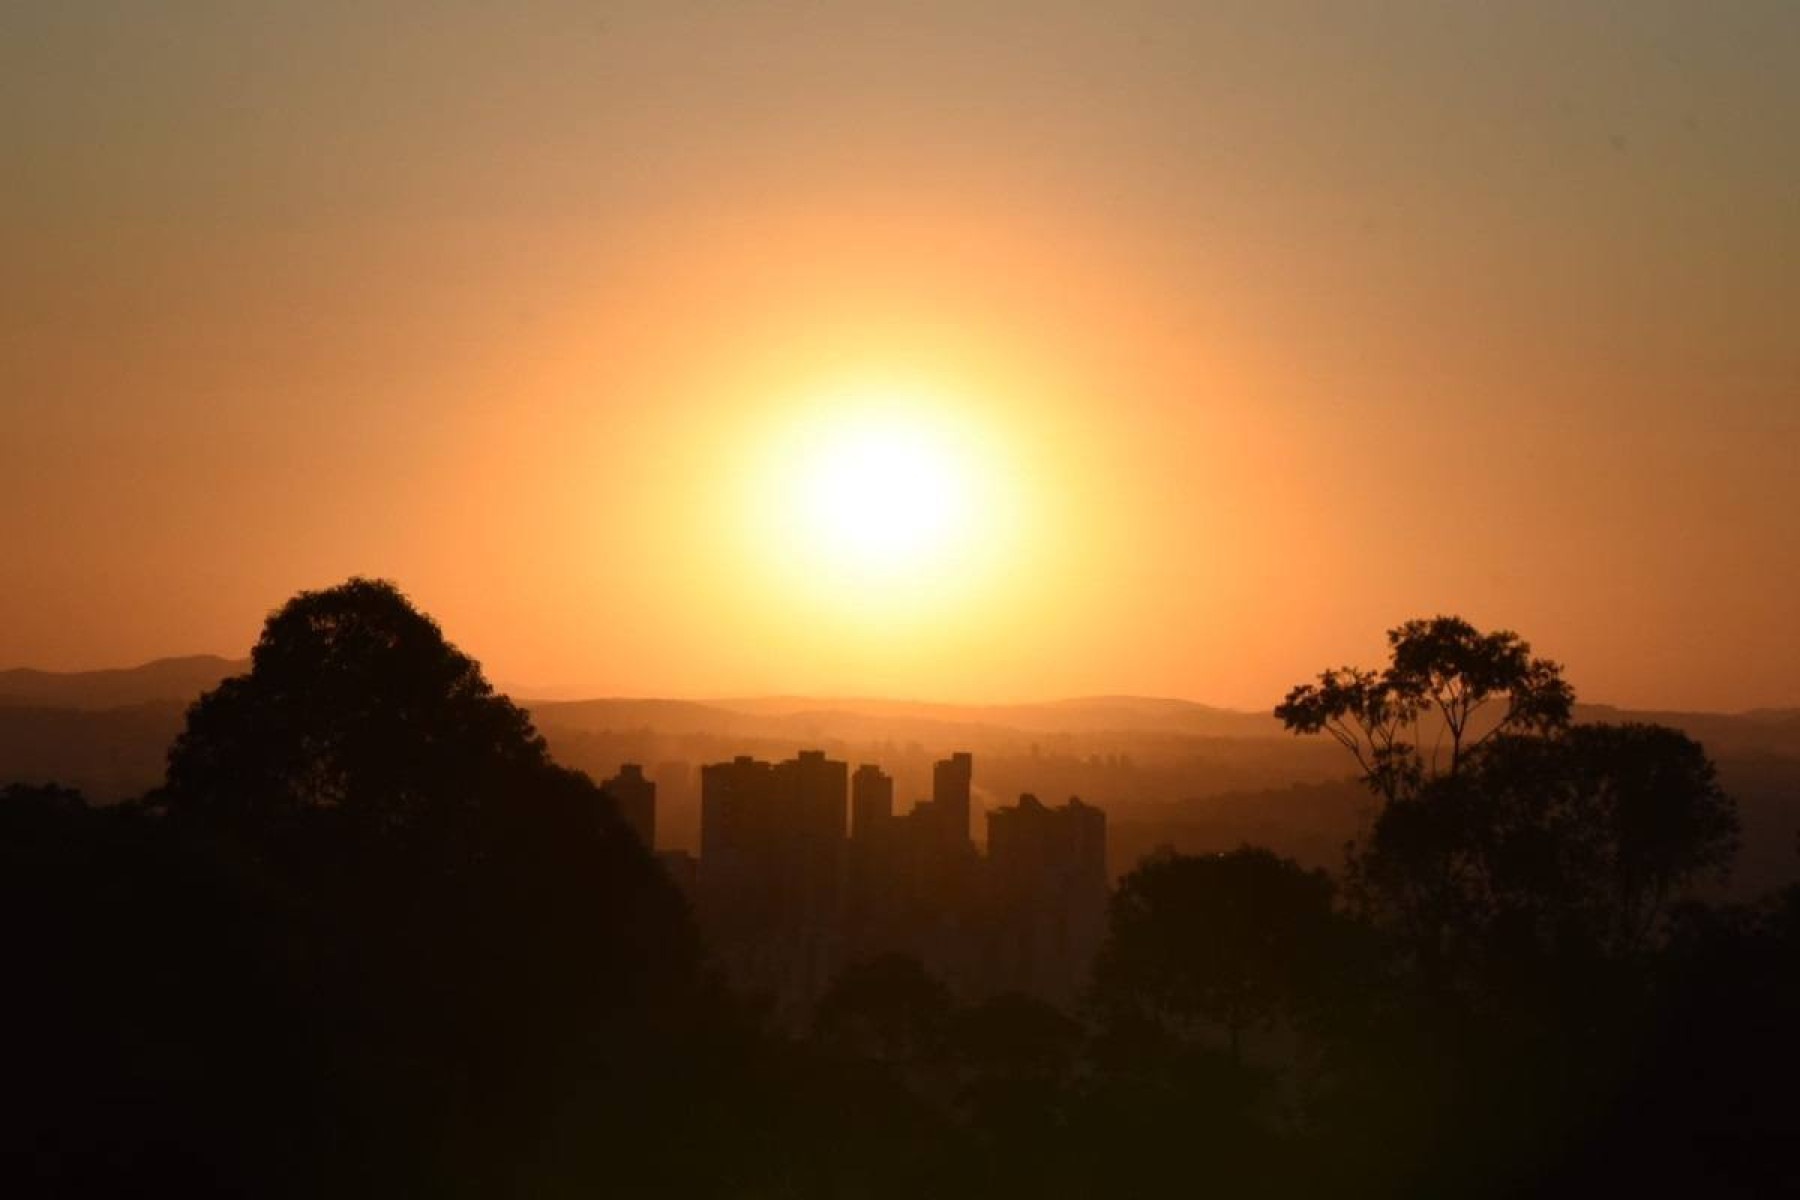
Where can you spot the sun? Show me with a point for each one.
(882, 500)
(884, 493)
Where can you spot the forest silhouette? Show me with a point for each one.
(369, 939)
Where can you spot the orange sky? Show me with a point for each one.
(1271, 325)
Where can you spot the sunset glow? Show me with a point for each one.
(746, 348)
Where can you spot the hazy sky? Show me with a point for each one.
(1243, 330)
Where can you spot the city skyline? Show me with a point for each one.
(806, 869)
(953, 599)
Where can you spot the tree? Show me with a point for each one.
(1518, 873)
(1015, 1059)
(1015, 1036)
(145, 977)
(1445, 679)
(355, 712)
(482, 942)
(1529, 828)
(888, 1008)
(1233, 940)
(1574, 844)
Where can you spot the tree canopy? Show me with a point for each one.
(1582, 841)
(888, 1007)
(1514, 824)
(1445, 680)
(1233, 940)
(357, 710)
(485, 941)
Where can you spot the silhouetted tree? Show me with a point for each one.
(1015, 1036)
(1576, 844)
(1445, 679)
(158, 1040)
(888, 1008)
(1530, 829)
(1521, 883)
(1706, 1105)
(1015, 1060)
(1233, 940)
(355, 712)
(484, 938)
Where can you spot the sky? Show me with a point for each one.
(1214, 339)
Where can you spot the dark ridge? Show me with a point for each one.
(182, 679)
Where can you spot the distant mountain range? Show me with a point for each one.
(182, 680)
(1168, 772)
(867, 719)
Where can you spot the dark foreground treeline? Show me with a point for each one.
(368, 940)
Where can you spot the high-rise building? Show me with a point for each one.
(636, 797)
(736, 831)
(786, 898)
(772, 863)
(812, 792)
(1048, 887)
(870, 888)
(950, 784)
(871, 802)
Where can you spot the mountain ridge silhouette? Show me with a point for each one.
(184, 677)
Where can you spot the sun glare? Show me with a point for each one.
(883, 495)
(882, 500)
